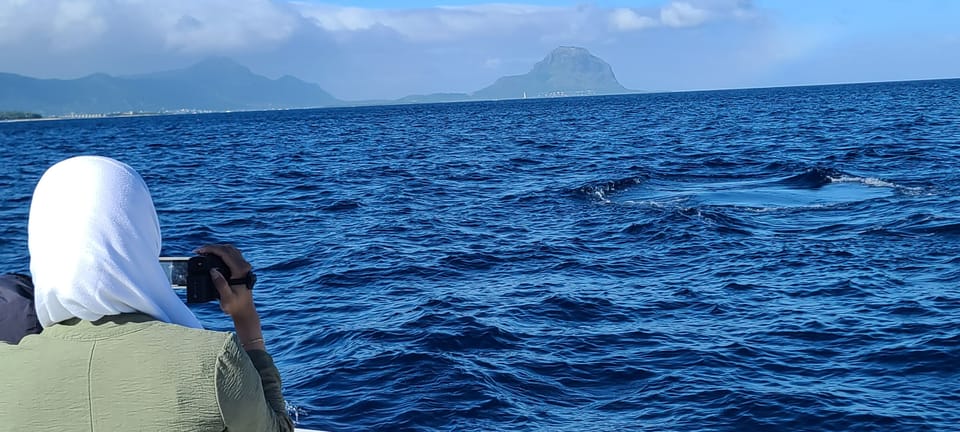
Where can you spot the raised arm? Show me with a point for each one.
(248, 383)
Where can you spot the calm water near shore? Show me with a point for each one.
(768, 259)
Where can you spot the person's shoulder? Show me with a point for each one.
(187, 336)
(160, 326)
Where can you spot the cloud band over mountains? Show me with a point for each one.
(359, 52)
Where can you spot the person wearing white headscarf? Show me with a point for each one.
(119, 349)
(94, 243)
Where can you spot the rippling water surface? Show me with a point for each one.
(765, 259)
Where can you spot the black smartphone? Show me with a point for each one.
(193, 273)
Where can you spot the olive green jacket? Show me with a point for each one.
(132, 373)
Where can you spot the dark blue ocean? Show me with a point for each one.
(768, 259)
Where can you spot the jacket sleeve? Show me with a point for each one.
(248, 390)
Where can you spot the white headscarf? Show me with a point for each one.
(94, 241)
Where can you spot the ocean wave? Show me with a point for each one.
(342, 205)
(818, 177)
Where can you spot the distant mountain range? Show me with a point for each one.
(216, 84)
(220, 84)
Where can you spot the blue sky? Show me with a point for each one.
(389, 49)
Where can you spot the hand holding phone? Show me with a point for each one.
(236, 295)
(193, 273)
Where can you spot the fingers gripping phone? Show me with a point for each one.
(193, 273)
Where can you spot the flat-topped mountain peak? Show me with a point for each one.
(565, 71)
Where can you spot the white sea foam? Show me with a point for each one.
(875, 182)
(869, 181)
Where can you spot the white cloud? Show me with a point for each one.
(680, 14)
(683, 14)
(439, 23)
(217, 26)
(76, 23)
(335, 18)
(628, 19)
(183, 25)
(60, 25)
